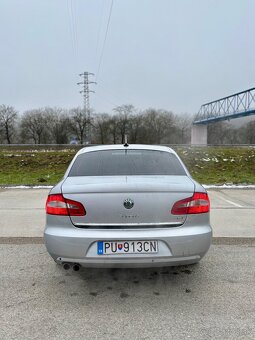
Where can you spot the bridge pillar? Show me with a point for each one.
(199, 134)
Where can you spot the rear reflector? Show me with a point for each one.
(58, 205)
(197, 204)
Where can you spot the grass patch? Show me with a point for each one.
(33, 168)
(207, 165)
(220, 165)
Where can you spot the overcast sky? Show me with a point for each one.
(169, 54)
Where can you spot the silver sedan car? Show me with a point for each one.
(127, 206)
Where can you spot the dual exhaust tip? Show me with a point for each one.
(76, 266)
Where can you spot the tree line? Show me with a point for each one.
(151, 126)
(60, 126)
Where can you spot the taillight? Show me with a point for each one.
(197, 204)
(58, 205)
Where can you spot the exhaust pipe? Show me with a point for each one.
(76, 267)
(66, 266)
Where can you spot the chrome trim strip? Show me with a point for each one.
(137, 225)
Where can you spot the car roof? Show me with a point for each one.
(129, 147)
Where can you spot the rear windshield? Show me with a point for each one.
(126, 163)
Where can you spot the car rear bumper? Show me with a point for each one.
(177, 246)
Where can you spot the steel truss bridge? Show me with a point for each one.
(237, 105)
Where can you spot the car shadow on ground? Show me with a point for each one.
(128, 282)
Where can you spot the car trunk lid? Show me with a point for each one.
(103, 198)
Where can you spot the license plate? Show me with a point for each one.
(126, 247)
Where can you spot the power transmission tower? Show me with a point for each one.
(85, 92)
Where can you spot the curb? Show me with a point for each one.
(238, 241)
(21, 240)
(250, 241)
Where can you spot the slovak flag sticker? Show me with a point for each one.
(120, 246)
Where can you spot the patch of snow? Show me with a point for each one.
(229, 186)
(214, 159)
(11, 155)
(27, 187)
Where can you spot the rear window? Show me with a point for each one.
(126, 163)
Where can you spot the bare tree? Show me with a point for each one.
(78, 123)
(2, 138)
(114, 129)
(34, 125)
(250, 132)
(135, 128)
(218, 132)
(183, 123)
(8, 118)
(159, 126)
(123, 114)
(152, 126)
(59, 125)
(102, 125)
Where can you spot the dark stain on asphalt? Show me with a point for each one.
(175, 273)
(136, 281)
(165, 272)
(61, 282)
(124, 295)
(187, 271)
(152, 275)
(33, 284)
(109, 288)
(156, 293)
(74, 294)
(93, 293)
(115, 279)
(188, 290)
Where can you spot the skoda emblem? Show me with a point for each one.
(128, 203)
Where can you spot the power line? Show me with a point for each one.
(106, 100)
(73, 11)
(72, 26)
(106, 89)
(70, 22)
(105, 37)
(99, 27)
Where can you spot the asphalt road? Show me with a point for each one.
(212, 300)
(23, 215)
